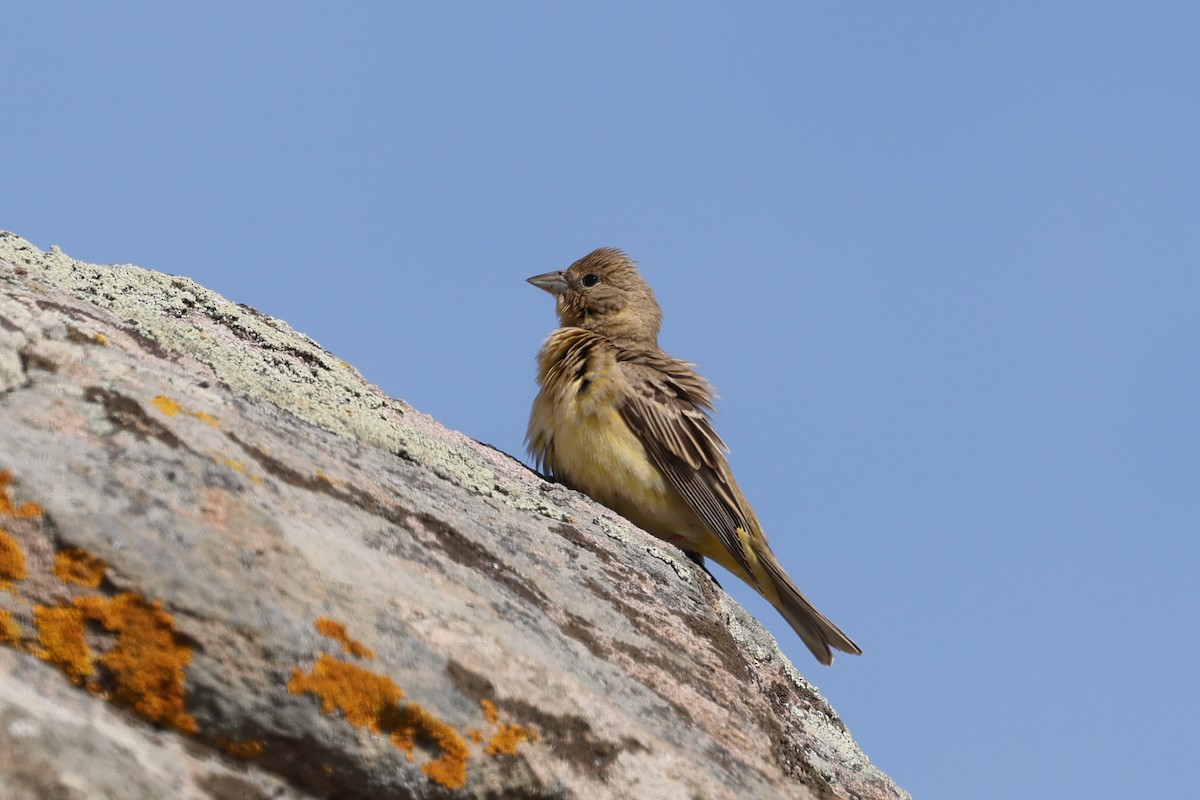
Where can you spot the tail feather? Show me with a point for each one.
(814, 628)
(769, 579)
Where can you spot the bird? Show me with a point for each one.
(620, 420)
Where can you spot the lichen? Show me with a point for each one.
(236, 466)
(7, 509)
(368, 700)
(365, 699)
(232, 463)
(166, 405)
(143, 670)
(173, 408)
(12, 561)
(414, 723)
(76, 565)
(204, 417)
(507, 737)
(10, 632)
(61, 641)
(249, 749)
(147, 663)
(337, 631)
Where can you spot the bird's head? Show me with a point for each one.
(603, 292)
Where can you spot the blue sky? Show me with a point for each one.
(941, 260)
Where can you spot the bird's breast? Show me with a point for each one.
(578, 434)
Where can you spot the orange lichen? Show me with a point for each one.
(232, 463)
(413, 723)
(76, 565)
(369, 700)
(143, 670)
(337, 631)
(100, 339)
(475, 735)
(507, 738)
(62, 643)
(12, 561)
(236, 466)
(505, 741)
(147, 662)
(366, 700)
(173, 408)
(204, 417)
(250, 749)
(7, 508)
(166, 405)
(10, 632)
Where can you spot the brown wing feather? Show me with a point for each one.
(667, 408)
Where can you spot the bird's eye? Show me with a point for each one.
(590, 280)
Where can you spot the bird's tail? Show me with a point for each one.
(814, 628)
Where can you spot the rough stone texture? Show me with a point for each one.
(237, 484)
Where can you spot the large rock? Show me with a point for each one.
(231, 568)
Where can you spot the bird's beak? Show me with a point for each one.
(553, 282)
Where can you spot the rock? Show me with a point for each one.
(231, 568)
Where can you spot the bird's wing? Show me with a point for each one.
(667, 406)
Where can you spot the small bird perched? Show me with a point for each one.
(626, 424)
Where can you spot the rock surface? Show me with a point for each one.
(231, 568)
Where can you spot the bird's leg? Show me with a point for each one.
(698, 560)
